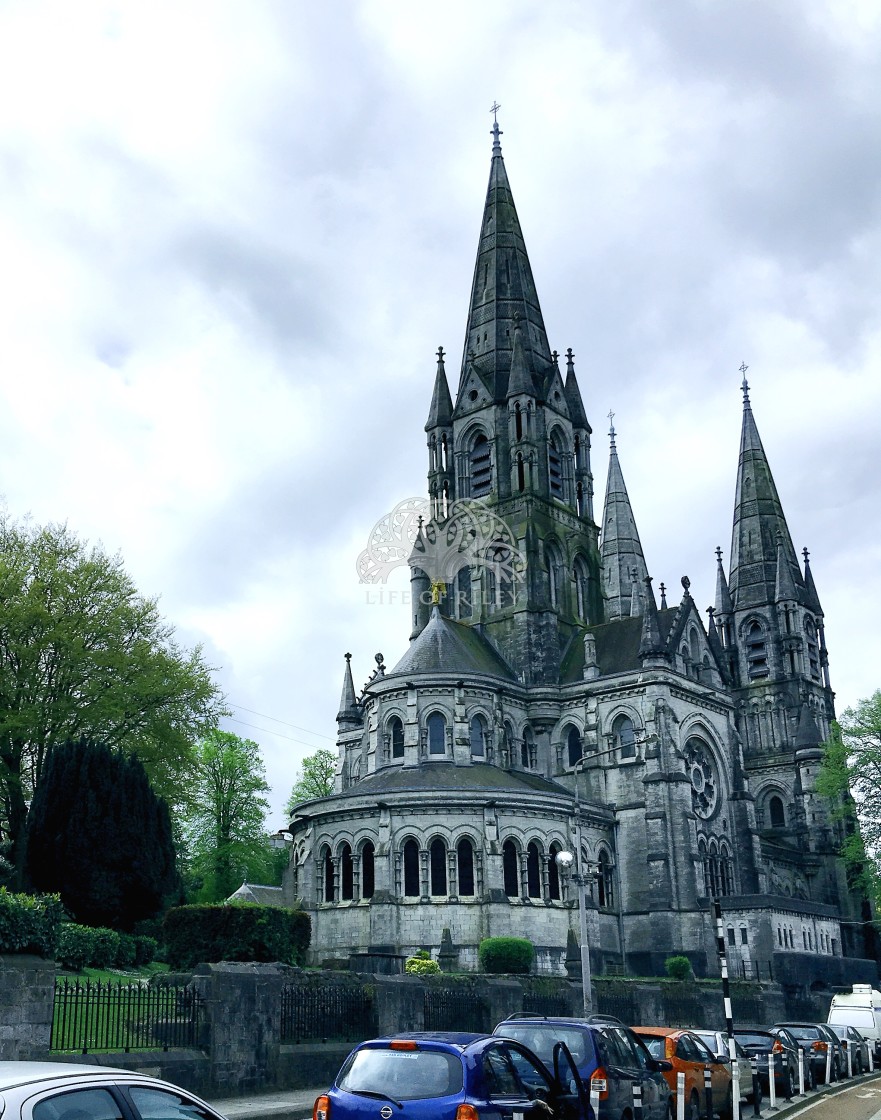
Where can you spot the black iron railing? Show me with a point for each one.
(94, 1015)
(454, 1009)
(337, 1012)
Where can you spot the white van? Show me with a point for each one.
(860, 1008)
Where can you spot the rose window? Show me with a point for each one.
(701, 771)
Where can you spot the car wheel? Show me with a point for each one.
(727, 1112)
(694, 1108)
(786, 1083)
(810, 1079)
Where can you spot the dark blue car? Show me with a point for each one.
(612, 1062)
(450, 1076)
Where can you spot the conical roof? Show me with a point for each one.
(723, 595)
(349, 715)
(813, 599)
(440, 414)
(758, 518)
(621, 550)
(573, 395)
(502, 287)
(445, 646)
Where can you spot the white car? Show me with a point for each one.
(58, 1091)
(717, 1041)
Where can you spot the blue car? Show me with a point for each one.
(451, 1076)
(612, 1062)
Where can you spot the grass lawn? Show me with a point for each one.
(105, 974)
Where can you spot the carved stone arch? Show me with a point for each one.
(555, 559)
(511, 852)
(435, 737)
(569, 739)
(773, 804)
(559, 450)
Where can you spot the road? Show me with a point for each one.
(861, 1101)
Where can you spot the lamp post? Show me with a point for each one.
(565, 861)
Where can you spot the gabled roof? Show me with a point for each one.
(617, 645)
(445, 646)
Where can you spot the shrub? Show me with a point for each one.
(126, 952)
(238, 932)
(29, 923)
(82, 947)
(145, 950)
(421, 964)
(506, 954)
(678, 968)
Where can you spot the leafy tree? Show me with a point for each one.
(100, 837)
(224, 827)
(851, 776)
(314, 779)
(83, 654)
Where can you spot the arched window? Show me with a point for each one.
(605, 882)
(694, 646)
(327, 863)
(511, 869)
(555, 575)
(726, 870)
(477, 736)
(521, 475)
(705, 867)
(465, 867)
(396, 737)
(411, 869)
(624, 737)
(347, 874)
(527, 749)
(437, 860)
(533, 871)
(553, 873)
(756, 651)
(555, 466)
(463, 593)
(437, 734)
(813, 653)
(581, 588)
(368, 877)
(573, 745)
(480, 463)
(776, 814)
(715, 881)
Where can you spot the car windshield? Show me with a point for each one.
(653, 1044)
(541, 1040)
(748, 1038)
(404, 1075)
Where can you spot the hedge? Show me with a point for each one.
(82, 947)
(506, 954)
(29, 923)
(235, 932)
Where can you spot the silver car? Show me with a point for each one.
(59, 1091)
(717, 1041)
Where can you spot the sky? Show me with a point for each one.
(233, 235)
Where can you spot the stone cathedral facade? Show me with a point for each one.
(552, 699)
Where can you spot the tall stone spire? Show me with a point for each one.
(502, 286)
(440, 414)
(621, 552)
(758, 519)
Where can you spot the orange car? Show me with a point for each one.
(691, 1056)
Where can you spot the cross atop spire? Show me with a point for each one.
(744, 385)
(612, 428)
(495, 131)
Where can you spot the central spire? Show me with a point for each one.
(503, 288)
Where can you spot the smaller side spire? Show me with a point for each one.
(621, 550)
(440, 414)
(573, 395)
(650, 646)
(520, 379)
(349, 716)
(724, 606)
(813, 599)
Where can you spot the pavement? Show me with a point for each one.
(297, 1104)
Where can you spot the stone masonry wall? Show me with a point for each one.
(27, 993)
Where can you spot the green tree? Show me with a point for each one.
(100, 837)
(851, 777)
(224, 826)
(314, 779)
(83, 654)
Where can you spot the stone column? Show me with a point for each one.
(27, 996)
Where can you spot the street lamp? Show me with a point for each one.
(565, 862)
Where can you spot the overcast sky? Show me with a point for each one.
(233, 235)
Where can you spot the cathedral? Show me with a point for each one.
(552, 701)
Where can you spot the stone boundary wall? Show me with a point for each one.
(242, 1052)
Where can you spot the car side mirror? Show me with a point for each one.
(721, 1059)
(661, 1065)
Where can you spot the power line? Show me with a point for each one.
(267, 731)
(275, 719)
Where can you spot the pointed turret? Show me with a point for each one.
(349, 716)
(573, 395)
(813, 599)
(502, 286)
(758, 518)
(651, 647)
(520, 380)
(724, 606)
(440, 414)
(621, 550)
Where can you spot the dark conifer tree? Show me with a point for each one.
(100, 836)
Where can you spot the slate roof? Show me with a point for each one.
(256, 892)
(445, 646)
(617, 645)
(434, 776)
